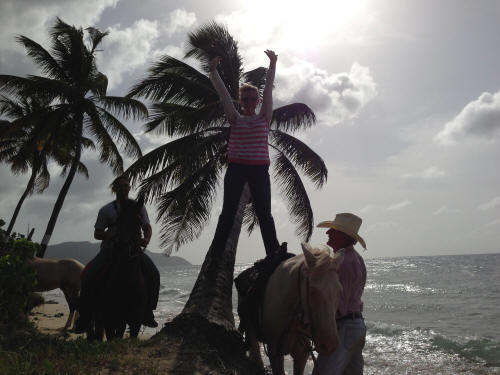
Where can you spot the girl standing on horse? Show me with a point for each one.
(248, 155)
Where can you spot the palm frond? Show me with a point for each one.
(179, 120)
(292, 117)
(42, 58)
(250, 219)
(310, 163)
(175, 81)
(124, 107)
(213, 40)
(256, 77)
(203, 146)
(119, 132)
(96, 37)
(294, 192)
(108, 152)
(185, 210)
(43, 178)
(208, 148)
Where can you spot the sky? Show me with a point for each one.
(406, 95)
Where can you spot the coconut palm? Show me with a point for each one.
(182, 175)
(76, 90)
(30, 141)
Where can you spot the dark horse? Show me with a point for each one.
(122, 299)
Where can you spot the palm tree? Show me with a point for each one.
(76, 90)
(182, 176)
(29, 142)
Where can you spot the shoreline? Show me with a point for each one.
(51, 317)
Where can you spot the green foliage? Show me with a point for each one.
(17, 279)
(32, 352)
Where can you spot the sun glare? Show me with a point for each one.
(302, 25)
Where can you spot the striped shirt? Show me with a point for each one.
(248, 140)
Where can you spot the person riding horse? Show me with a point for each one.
(105, 230)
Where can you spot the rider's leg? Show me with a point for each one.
(89, 277)
(152, 277)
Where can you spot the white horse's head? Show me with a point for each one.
(323, 292)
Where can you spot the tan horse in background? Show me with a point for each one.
(63, 274)
(300, 302)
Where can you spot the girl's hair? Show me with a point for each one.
(248, 87)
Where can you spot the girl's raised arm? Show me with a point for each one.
(267, 97)
(225, 98)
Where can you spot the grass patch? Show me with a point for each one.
(28, 352)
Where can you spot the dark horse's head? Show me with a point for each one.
(129, 227)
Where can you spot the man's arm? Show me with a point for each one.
(225, 98)
(267, 97)
(148, 231)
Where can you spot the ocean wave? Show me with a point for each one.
(426, 342)
(170, 292)
(478, 349)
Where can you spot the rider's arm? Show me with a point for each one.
(147, 230)
(101, 234)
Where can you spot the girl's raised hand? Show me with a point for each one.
(272, 56)
(213, 63)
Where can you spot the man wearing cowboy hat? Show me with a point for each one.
(348, 358)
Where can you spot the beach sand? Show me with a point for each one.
(169, 354)
(51, 317)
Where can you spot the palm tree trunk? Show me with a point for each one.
(207, 322)
(27, 191)
(62, 194)
(211, 297)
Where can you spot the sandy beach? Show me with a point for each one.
(51, 317)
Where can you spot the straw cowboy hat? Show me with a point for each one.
(346, 223)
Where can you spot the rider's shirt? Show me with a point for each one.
(108, 216)
(352, 276)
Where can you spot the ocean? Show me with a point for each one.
(424, 315)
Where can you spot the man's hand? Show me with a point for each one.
(272, 56)
(213, 63)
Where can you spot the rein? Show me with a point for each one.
(303, 320)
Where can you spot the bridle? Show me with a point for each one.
(303, 317)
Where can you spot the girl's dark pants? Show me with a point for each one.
(257, 177)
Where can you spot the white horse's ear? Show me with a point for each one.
(308, 255)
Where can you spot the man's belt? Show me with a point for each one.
(351, 316)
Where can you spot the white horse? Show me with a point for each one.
(63, 274)
(299, 304)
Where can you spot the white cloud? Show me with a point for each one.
(479, 118)
(445, 210)
(33, 17)
(490, 204)
(399, 205)
(429, 173)
(337, 96)
(178, 21)
(365, 209)
(125, 50)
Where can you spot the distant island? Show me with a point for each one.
(84, 251)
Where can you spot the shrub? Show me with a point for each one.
(17, 279)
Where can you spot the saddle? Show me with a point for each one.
(251, 285)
